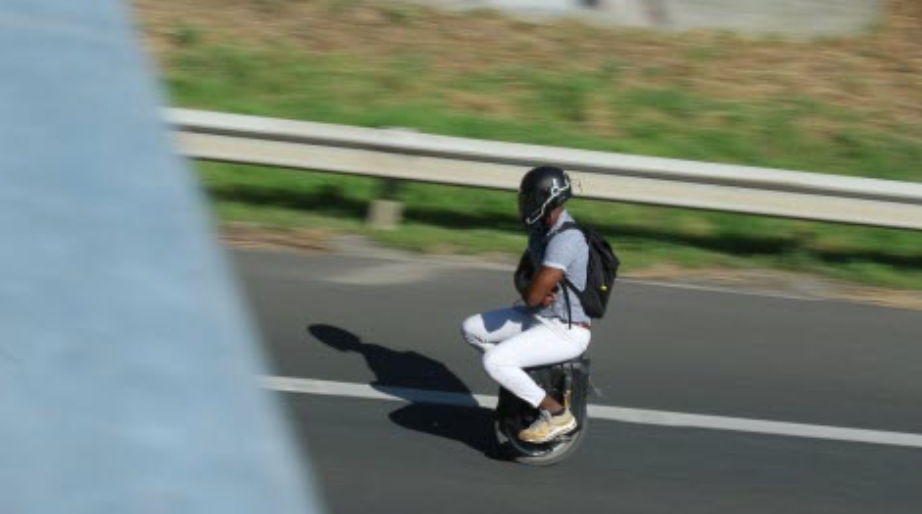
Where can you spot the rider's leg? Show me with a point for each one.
(551, 405)
(538, 345)
(485, 330)
(545, 343)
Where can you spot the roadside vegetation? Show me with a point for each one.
(847, 106)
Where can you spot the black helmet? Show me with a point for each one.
(542, 190)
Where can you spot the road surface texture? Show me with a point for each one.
(390, 321)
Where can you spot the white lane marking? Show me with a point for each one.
(756, 426)
(626, 415)
(328, 388)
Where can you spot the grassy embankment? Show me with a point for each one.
(847, 106)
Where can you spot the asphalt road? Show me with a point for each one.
(386, 320)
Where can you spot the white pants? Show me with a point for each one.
(513, 338)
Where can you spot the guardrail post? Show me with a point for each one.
(387, 212)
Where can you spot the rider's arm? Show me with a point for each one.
(541, 289)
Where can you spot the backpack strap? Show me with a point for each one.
(566, 296)
(569, 225)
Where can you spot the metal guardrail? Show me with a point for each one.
(407, 155)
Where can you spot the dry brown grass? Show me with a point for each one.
(878, 75)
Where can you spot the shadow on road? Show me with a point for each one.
(405, 374)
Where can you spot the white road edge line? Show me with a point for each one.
(626, 415)
(718, 289)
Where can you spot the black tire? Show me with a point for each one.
(544, 454)
(568, 383)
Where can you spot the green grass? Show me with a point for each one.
(544, 107)
(468, 221)
(567, 108)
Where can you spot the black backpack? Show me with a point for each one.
(601, 272)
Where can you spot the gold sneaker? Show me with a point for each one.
(547, 427)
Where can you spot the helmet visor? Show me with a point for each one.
(528, 204)
(535, 206)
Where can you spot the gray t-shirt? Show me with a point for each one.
(566, 251)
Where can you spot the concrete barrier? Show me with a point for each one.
(791, 18)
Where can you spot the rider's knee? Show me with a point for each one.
(494, 362)
(489, 363)
(470, 330)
